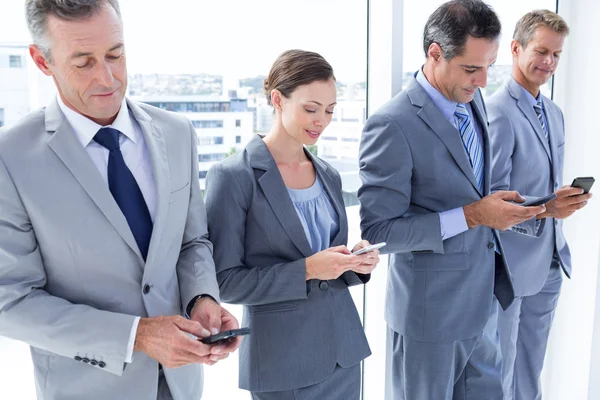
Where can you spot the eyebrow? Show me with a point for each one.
(87, 53)
(316, 102)
(471, 66)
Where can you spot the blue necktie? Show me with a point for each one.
(472, 143)
(539, 111)
(125, 190)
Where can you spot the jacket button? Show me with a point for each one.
(85, 360)
(146, 289)
(324, 285)
(77, 358)
(490, 245)
(102, 364)
(555, 185)
(93, 362)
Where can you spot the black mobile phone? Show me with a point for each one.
(584, 183)
(225, 336)
(539, 201)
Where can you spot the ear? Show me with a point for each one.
(515, 48)
(435, 53)
(277, 99)
(40, 60)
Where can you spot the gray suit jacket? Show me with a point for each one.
(413, 165)
(300, 329)
(524, 161)
(71, 275)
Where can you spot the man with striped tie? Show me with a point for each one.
(527, 136)
(425, 165)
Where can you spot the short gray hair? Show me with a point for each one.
(37, 12)
(527, 25)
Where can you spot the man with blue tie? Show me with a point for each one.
(527, 136)
(425, 165)
(104, 247)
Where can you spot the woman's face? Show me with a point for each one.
(308, 110)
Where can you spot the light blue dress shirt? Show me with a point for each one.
(317, 215)
(452, 222)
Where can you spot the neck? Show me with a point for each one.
(532, 88)
(283, 147)
(428, 71)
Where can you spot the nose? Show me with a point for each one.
(480, 79)
(103, 75)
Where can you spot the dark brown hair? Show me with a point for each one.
(295, 68)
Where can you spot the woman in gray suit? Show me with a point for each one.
(278, 224)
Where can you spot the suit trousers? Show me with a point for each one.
(342, 384)
(524, 329)
(458, 370)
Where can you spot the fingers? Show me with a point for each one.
(193, 327)
(511, 196)
(360, 245)
(566, 191)
(566, 201)
(340, 249)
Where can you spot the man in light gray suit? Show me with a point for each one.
(103, 238)
(425, 164)
(527, 136)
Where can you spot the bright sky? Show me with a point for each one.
(241, 38)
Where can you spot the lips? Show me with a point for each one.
(313, 134)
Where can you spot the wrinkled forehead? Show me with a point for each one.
(99, 33)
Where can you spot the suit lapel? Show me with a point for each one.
(329, 183)
(516, 92)
(554, 128)
(157, 150)
(276, 194)
(448, 133)
(66, 146)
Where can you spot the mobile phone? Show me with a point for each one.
(584, 183)
(539, 201)
(225, 336)
(369, 248)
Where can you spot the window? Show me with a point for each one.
(202, 174)
(1, 117)
(14, 61)
(208, 124)
(211, 157)
(209, 140)
(238, 123)
(238, 139)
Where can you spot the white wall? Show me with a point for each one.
(573, 360)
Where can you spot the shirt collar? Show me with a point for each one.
(86, 129)
(530, 99)
(446, 106)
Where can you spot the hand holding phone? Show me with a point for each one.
(369, 248)
(584, 183)
(225, 336)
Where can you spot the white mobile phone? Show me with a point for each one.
(369, 248)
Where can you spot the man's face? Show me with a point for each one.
(459, 78)
(87, 63)
(538, 61)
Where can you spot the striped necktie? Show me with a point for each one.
(539, 111)
(472, 143)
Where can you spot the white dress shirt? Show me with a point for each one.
(137, 159)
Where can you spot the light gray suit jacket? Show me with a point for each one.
(71, 274)
(413, 165)
(524, 161)
(300, 329)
